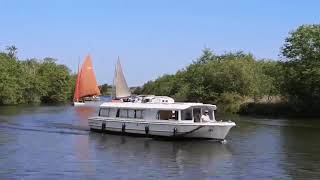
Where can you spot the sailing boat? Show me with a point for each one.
(120, 83)
(123, 94)
(157, 116)
(86, 84)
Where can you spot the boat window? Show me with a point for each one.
(131, 113)
(118, 113)
(112, 112)
(123, 113)
(186, 114)
(197, 114)
(166, 115)
(104, 112)
(138, 114)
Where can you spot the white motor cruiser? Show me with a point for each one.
(171, 120)
(156, 116)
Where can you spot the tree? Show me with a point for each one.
(302, 68)
(105, 89)
(56, 81)
(303, 44)
(12, 51)
(228, 79)
(207, 55)
(10, 80)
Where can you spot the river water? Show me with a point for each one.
(54, 142)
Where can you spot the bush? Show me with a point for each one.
(229, 102)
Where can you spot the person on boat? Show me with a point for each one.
(205, 117)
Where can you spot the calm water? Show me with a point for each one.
(53, 142)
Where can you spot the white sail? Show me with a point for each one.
(121, 85)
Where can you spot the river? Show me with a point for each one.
(54, 142)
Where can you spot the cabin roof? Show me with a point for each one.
(160, 106)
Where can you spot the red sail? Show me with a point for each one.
(88, 85)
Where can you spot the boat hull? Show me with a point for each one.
(169, 129)
(78, 103)
(88, 104)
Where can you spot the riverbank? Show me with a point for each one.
(277, 110)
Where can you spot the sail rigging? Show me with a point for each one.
(120, 82)
(86, 81)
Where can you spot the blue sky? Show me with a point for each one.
(152, 38)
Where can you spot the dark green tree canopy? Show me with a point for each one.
(302, 69)
(12, 51)
(303, 44)
(33, 80)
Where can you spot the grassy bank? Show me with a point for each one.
(280, 109)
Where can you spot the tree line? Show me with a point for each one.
(33, 80)
(237, 82)
(240, 83)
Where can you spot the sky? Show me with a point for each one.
(151, 37)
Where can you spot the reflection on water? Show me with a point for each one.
(147, 157)
(83, 155)
(54, 142)
(301, 151)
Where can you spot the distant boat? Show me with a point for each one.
(120, 84)
(123, 94)
(86, 85)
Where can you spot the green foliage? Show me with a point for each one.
(303, 44)
(10, 72)
(302, 69)
(230, 102)
(55, 81)
(105, 89)
(234, 80)
(136, 90)
(207, 55)
(267, 109)
(226, 80)
(33, 81)
(12, 51)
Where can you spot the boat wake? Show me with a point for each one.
(73, 131)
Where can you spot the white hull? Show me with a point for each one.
(78, 103)
(164, 128)
(88, 103)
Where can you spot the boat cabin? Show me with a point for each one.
(182, 112)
